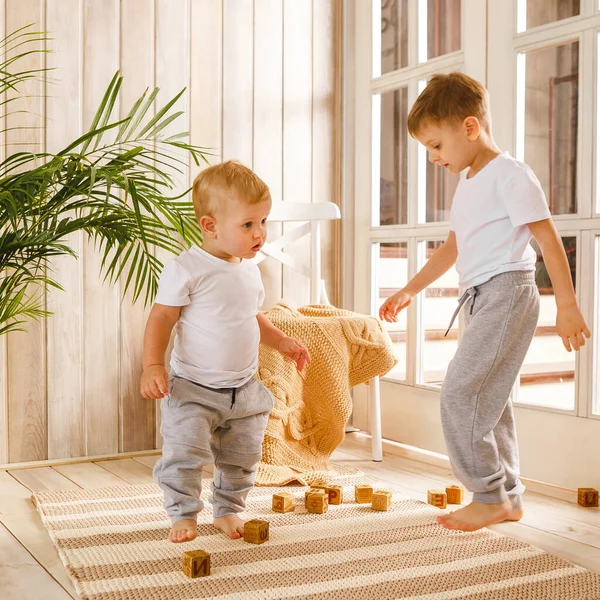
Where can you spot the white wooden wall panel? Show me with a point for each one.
(297, 128)
(101, 326)
(137, 416)
(268, 122)
(66, 431)
(27, 351)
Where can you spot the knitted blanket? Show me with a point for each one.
(312, 407)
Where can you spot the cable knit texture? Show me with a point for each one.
(312, 407)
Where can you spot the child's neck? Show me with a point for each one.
(485, 154)
(211, 248)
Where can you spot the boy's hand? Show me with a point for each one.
(571, 327)
(154, 383)
(393, 305)
(294, 350)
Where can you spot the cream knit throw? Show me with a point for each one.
(311, 408)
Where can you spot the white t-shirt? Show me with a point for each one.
(489, 216)
(217, 335)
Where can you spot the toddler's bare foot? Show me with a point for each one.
(183, 531)
(477, 515)
(231, 525)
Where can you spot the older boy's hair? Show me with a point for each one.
(450, 98)
(230, 180)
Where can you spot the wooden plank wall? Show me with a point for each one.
(264, 87)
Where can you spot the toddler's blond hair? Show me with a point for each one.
(223, 182)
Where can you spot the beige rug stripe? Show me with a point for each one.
(318, 561)
(279, 536)
(246, 553)
(365, 580)
(500, 585)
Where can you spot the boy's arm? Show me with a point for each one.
(570, 323)
(441, 260)
(162, 319)
(275, 338)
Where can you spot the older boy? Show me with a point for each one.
(213, 408)
(497, 206)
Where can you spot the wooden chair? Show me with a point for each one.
(312, 214)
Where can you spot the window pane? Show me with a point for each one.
(443, 27)
(534, 13)
(394, 35)
(440, 185)
(548, 373)
(392, 275)
(550, 124)
(438, 302)
(393, 158)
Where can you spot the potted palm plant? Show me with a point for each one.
(115, 183)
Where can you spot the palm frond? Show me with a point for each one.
(115, 183)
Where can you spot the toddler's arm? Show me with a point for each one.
(441, 260)
(155, 379)
(275, 338)
(570, 323)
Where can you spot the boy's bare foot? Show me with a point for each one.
(477, 515)
(231, 525)
(183, 531)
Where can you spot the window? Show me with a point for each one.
(394, 35)
(439, 28)
(533, 13)
(390, 170)
(392, 275)
(547, 142)
(548, 374)
(437, 304)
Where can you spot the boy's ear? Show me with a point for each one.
(208, 226)
(472, 127)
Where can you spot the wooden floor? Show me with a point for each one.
(29, 563)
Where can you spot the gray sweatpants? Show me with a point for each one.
(477, 414)
(200, 426)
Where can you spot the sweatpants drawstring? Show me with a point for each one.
(470, 293)
(233, 396)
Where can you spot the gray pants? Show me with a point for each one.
(477, 414)
(200, 426)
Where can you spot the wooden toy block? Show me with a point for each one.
(363, 494)
(454, 494)
(312, 491)
(284, 502)
(256, 531)
(437, 498)
(317, 503)
(336, 494)
(382, 500)
(587, 497)
(196, 563)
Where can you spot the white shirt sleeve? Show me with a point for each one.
(524, 198)
(174, 285)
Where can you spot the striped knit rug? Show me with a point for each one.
(113, 544)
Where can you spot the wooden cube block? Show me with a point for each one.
(317, 503)
(587, 496)
(336, 494)
(196, 563)
(363, 494)
(313, 491)
(382, 500)
(454, 494)
(437, 498)
(284, 502)
(256, 531)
